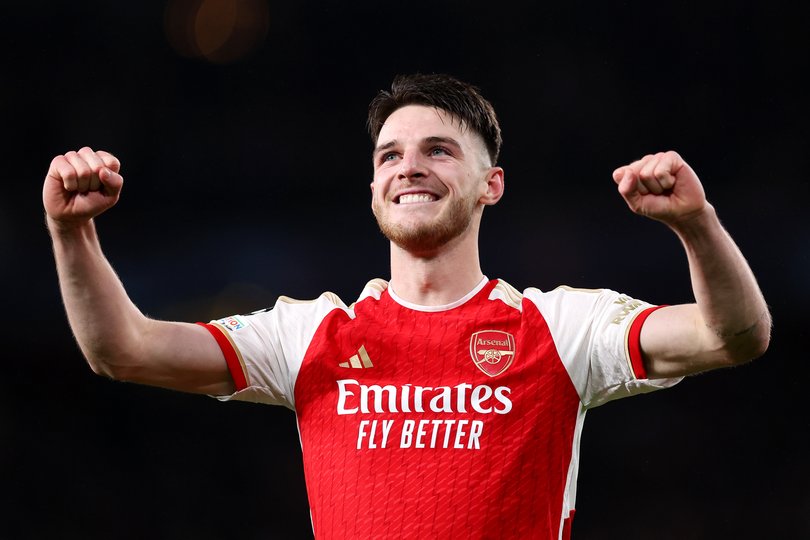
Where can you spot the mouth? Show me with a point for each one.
(415, 198)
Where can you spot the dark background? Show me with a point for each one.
(247, 168)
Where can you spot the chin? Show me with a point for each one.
(420, 236)
(425, 237)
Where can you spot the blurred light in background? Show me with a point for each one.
(219, 31)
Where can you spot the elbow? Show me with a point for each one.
(741, 347)
(98, 367)
(743, 350)
(117, 359)
(115, 367)
(103, 369)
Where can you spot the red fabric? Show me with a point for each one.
(231, 358)
(634, 343)
(364, 485)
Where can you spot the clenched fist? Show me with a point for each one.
(661, 186)
(81, 185)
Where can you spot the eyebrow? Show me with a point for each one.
(382, 147)
(427, 140)
(443, 140)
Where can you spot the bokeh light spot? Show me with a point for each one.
(219, 31)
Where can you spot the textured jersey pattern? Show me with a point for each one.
(461, 423)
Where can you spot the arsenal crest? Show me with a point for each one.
(492, 351)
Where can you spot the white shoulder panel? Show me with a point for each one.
(272, 344)
(374, 289)
(507, 294)
(590, 330)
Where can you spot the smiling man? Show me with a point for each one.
(432, 178)
(441, 403)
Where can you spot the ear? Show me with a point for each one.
(495, 186)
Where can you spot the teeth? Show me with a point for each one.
(416, 198)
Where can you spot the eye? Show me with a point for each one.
(439, 151)
(388, 156)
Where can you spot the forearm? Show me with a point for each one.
(105, 322)
(730, 302)
(115, 337)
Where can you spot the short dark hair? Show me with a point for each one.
(459, 99)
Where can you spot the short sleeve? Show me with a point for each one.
(596, 333)
(265, 349)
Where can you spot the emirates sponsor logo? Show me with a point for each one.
(492, 351)
(355, 397)
(412, 416)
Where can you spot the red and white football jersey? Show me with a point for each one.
(456, 421)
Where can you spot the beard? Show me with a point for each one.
(428, 236)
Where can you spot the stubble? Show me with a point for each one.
(430, 235)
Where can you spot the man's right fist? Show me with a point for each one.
(81, 185)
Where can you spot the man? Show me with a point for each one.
(442, 403)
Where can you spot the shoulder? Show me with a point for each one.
(373, 290)
(565, 303)
(562, 294)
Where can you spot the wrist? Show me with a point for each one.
(68, 229)
(695, 224)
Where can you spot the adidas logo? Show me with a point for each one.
(359, 360)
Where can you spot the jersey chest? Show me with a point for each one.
(396, 402)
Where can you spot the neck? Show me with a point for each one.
(436, 278)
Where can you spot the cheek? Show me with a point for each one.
(379, 185)
(465, 186)
(377, 194)
(376, 190)
(457, 179)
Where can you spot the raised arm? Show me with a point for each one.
(730, 323)
(115, 337)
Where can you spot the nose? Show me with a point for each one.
(411, 166)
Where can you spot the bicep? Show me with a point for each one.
(675, 342)
(179, 356)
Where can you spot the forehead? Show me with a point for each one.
(417, 122)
